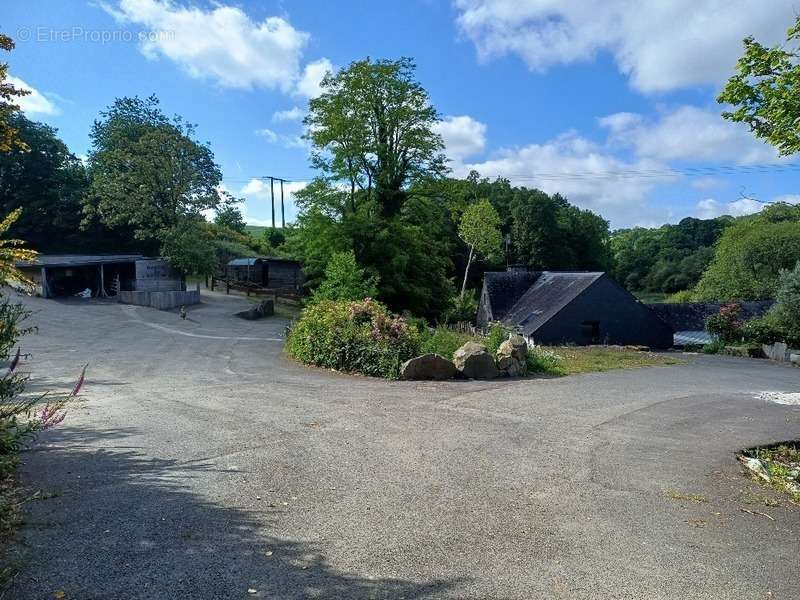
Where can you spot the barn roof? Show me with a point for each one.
(243, 262)
(78, 260)
(504, 289)
(529, 299)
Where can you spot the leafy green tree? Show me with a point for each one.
(480, 231)
(345, 280)
(188, 246)
(48, 182)
(751, 254)
(9, 138)
(372, 128)
(147, 171)
(228, 214)
(764, 92)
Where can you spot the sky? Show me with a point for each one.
(610, 104)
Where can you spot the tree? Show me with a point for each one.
(765, 92)
(188, 247)
(751, 254)
(480, 231)
(228, 214)
(49, 182)
(372, 128)
(345, 280)
(9, 138)
(147, 171)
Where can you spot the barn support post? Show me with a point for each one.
(102, 293)
(45, 287)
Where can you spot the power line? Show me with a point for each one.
(664, 173)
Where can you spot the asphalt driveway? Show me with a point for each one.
(204, 464)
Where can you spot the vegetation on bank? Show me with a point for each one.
(781, 467)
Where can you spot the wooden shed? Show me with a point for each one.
(266, 272)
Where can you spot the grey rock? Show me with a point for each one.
(428, 366)
(512, 356)
(794, 358)
(265, 308)
(777, 351)
(474, 361)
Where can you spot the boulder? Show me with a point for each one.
(474, 361)
(428, 366)
(512, 356)
(265, 308)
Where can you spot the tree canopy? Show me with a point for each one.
(147, 171)
(479, 229)
(372, 128)
(765, 91)
(9, 138)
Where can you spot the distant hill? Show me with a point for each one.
(257, 231)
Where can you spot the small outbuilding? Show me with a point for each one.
(557, 307)
(266, 272)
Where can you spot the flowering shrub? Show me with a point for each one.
(354, 336)
(726, 324)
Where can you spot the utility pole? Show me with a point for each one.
(283, 214)
(272, 195)
(272, 181)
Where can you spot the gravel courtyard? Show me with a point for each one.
(204, 464)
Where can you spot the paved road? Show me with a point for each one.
(205, 465)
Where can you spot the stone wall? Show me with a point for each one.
(160, 300)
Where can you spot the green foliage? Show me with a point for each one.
(372, 129)
(147, 171)
(751, 254)
(9, 95)
(782, 322)
(479, 229)
(726, 324)
(344, 280)
(681, 297)
(444, 341)
(545, 361)
(765, 89)
(189, 248)
(462, 308)
(360, 337)
(497, 334)
(714, 347)
(667, 259)
(228, 214)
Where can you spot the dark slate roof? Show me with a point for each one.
(550, 292)
(505, 288)
(692, 316)
(78, 260)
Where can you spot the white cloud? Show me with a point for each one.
(308, 83)
(688, 133)
(293, 114)
(788, 198)
(661, 45)
(34, 103)
(258, 199)
(707, 183)
(295, 141)
(582, 171)
(710, 208)
(222, 44)
(463, 136)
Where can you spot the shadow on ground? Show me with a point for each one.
(114, 523)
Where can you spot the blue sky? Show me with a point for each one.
(613, 107)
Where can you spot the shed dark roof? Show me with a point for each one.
(79, 260)
(504, 289)
(250, 261)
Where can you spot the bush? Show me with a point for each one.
(360, 337)
(461, 309)
(726, 324)
(345, 280)
(444, 341)
(715, 347)
(497, 334)
(782, 322)
(682, 297)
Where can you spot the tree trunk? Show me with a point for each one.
(466, 270)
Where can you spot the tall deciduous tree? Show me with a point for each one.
(372, 127)
(48, 182)
(9, 138)
(228, 214)
(148, 171)
(765, 92)
(480, 231)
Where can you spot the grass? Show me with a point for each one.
(10, 518)
(591, 359)
(782, 462)
(257, 231)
